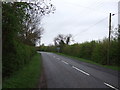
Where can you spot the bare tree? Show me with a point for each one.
(31, 34)
(62, 39)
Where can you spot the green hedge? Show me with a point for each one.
(27, 77)
(96, 51)
(15, 56)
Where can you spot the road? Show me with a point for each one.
(64, 72)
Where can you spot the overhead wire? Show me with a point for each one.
(93, 24)
(84, 30)
(89, 7)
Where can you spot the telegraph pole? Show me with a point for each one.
(109, 26)
(108, 56)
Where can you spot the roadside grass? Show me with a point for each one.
(27, 77)
(117, 68)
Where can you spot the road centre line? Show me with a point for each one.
(58, 58)
(87, 73)
(110, 86)
(80, 70)
(64, 62)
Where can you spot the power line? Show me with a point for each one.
(94, 24)
(90, 27)
(89, 7)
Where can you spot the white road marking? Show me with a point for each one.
(58, 58)
(80, 70)
(64, 62)
(110, 86)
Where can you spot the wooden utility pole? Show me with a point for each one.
(108, 56)
(109, 26)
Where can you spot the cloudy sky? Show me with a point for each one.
(86, 20)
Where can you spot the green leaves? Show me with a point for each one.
(96, 51)
(20, 26)
(15, 54)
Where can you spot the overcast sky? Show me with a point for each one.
(86, 20)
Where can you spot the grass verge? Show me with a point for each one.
(117, 68)
(27, 77)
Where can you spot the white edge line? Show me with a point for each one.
(110, 86)
(80, 70)
(64, 62)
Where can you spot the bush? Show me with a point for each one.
(27, 77)
(96, 51)
(16, 57)
(99, 54)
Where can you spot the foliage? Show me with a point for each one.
(14, 53)
(32, 29)
(16, 57)
(62, 40)
(27, 77)
(113, 67)
(96, 51)
(99, 53)
(20, 33)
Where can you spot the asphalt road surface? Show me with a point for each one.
(64, 72)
